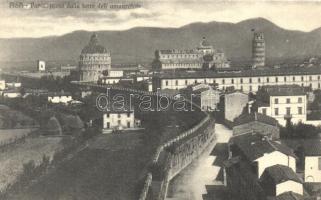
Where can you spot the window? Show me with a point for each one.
(166, 83)
(241, 88)
(232, 81)
(128, 114)
(267, 79)
(259, 80)
(310, 78)
(250, 88)
(241, 80)
(288, 111)
(264, 111)
(293, 78)
(118, 115)
(108, 125)
(319, 163)
(195, 81)
(318, 77)
(223, 81)
(276, 111)
(300, 110)
(302, 78)
(285, 79)
(288, 100)
(119, 122)
(185, 82)
(250, 80)
(128, 124)
(176, 82)
(276, 79)
(300, 100)
(319, 85)
(276, 100)
(107, 115)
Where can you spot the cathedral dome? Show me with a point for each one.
(93, 47)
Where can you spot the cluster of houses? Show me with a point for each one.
(259, 166)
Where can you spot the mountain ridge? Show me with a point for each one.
(138, 44)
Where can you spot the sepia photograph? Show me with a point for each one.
(160, 100)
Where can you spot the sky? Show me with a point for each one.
(40, 22)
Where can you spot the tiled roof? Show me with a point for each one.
(284, 90)
(247, 118)
(289, 196)
(179, 51)
(243, 73)
(254, 146)
(280, 174)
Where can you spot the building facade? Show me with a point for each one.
(312, 156)
(119, 120)
(41, 65)
(246, 80)
(258, 50)
(203, 56)
(286, 102)
(93, 61)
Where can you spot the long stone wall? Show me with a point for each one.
(173, 156)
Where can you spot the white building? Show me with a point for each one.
(41, 65)
(283, 102)
(312, 156)
(209, 98)
(11, 93)
(119, 120)
(13, 85)
(244, 80)
(2, 84)
(192, 58)
(60, 97)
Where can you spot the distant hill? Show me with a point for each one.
(138, 44)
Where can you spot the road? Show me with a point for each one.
(190, 183)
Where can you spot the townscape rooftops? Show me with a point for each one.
(289, 196)
(247, 118)
(93, 47)
(312, 147)
(254, 146)
(241, 73)
(284, 90)
(280, 174)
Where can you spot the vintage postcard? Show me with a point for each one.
(160, 100)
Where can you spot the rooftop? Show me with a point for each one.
(247, 118)
(280, 174)
(242, 73)
(284, 90)
(254, 146)
(93, 47)
(289, 196)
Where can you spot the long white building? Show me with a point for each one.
(246, 80)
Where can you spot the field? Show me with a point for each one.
(11, 162)
(109, 168)
(9, 135)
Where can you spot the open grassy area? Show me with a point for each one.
(11, 161)
(9, 135)
(109, 168)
